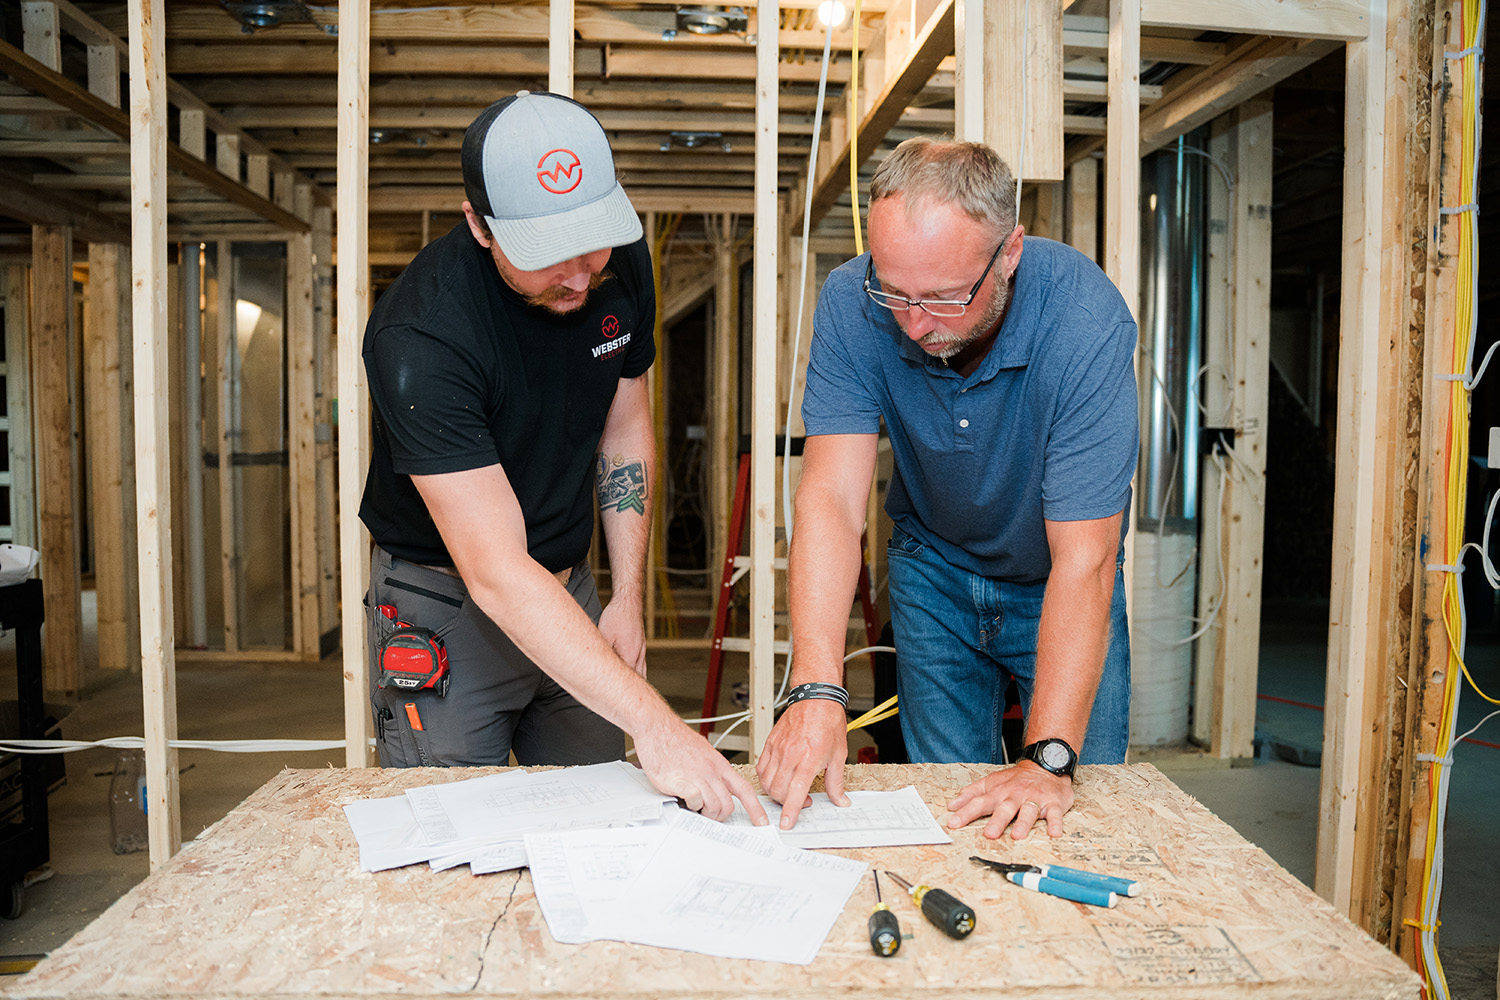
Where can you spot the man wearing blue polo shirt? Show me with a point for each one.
(1006, 383)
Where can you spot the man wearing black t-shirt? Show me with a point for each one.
(506, 366)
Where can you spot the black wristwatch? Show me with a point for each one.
(1052, 755)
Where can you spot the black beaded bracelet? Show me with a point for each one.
(829, 692)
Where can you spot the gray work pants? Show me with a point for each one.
(498, 700)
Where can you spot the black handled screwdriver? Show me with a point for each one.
(952, 917)
(885, 929)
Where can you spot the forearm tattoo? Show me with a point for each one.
(621, 484)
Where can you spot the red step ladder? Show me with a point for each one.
(736, 565)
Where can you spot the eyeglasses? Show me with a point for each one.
(933, 307)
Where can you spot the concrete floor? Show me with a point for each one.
(1271, 802)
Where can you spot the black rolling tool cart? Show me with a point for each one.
(25, 778)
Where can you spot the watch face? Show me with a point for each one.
(1054, 755)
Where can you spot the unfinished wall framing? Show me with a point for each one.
(274, 133)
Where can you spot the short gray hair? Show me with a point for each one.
(969, 175)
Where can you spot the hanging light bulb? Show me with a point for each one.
(831, 13)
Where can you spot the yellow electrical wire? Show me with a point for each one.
(876, 714)
(1457, 483)
(853, 101)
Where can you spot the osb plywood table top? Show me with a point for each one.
(269, 902)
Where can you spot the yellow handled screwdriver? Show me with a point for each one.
(941, 909)
(885, 929)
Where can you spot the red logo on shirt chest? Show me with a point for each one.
(614, 340)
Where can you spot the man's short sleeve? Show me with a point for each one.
(837, 400)
(641, 352)
(1095, 436)
(431, 401)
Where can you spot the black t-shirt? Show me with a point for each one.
(464, 374)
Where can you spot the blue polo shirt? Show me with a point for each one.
(1045, 428)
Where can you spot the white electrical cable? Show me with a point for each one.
(139, 743)
(1471, 732)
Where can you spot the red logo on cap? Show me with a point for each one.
(610, 327)
(559, 171)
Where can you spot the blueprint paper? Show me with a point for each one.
(873, 819)
(499, 858)
(502, 807)
(692, 885)
(388, 833)
(479, 822)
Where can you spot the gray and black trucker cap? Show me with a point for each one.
(538, 169)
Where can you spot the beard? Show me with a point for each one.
(945, 345)
(550, 298)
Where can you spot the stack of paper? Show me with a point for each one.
(480, 822)
(871, 819)
(612, 859)
(692, 884)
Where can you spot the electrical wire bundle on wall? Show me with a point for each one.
(1461, 385)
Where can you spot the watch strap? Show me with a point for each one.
(1035, 752)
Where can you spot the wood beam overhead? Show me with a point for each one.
(39, 79)
(39, 206)
(929, 48)
(1198, 96)
(1195, 96)
(98, 37)
(1344, 20)
(479, 23)
(458, 119)
(492, 60)
(237, 93)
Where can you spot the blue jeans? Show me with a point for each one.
(960, 637)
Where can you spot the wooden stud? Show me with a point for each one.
(723, 390)
(1244, 501)
(1046, 210)
(1083, 207)
(23, 528)
(763, 388)
(1122, 191)
(969, 74)
(1386, 681)
(104, 73)
(325, 359)
(1428, 664)
(101, 335)
(190, 132)
(1216, 390)
(41, 33)
(57, 489)
(148, 170)
(353, 309)
(258, 174)
(302, 445)
(1030, 141)
(189, 597)
(1353, 640)
(189, 547)
(227, 154)
(225, 377)
(560, 47)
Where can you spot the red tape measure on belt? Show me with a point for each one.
(413, 658)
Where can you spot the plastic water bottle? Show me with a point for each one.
(127, 803)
